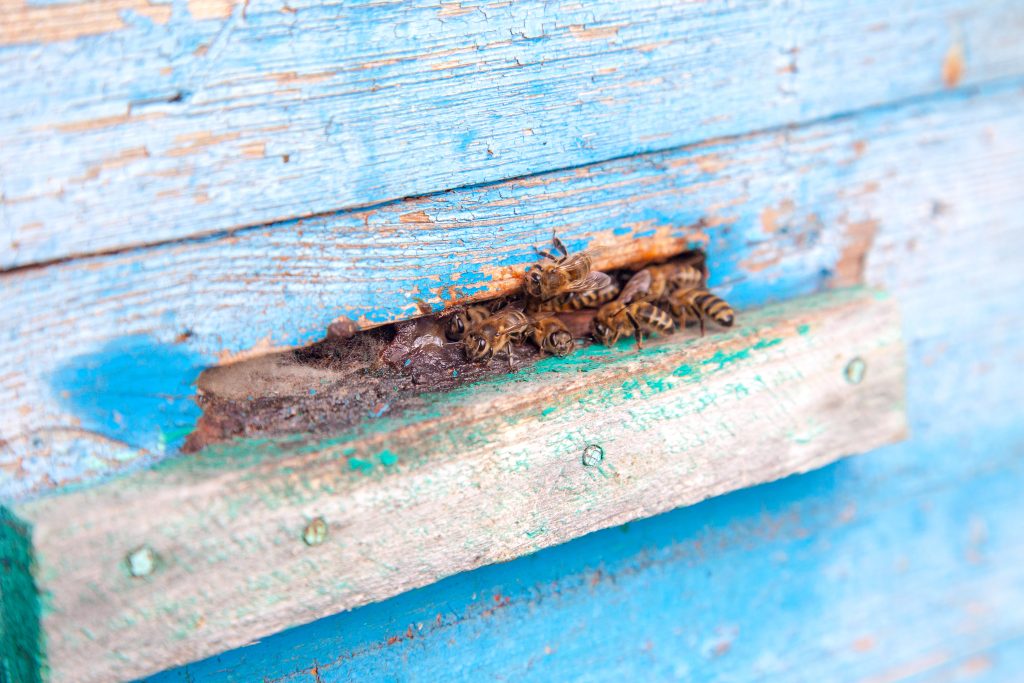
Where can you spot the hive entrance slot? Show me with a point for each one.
(339, 382)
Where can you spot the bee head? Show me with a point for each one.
(476, 346)
(560, 343)
(533, 282)
(603, 333)
(455, 328)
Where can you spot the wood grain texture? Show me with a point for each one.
(126, 122)
(487, 475)
(905, 564)
(103, 353)
(901, 566)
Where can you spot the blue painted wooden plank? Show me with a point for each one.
(127, 122)
(780, 214)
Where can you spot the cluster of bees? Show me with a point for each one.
(655, 300)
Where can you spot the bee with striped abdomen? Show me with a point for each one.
(699, 303)
(496, 333)
(552, 336)
(556, 275)
(574, 301)
(632, 314)
(637, 318)
(667, 278)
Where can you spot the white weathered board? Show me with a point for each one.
(486, 474)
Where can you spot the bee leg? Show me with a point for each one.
(508, 352)
(637, 331)
(544, 254)
(559, 246)
(700, 318)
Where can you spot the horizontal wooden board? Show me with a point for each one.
(863, 571)
(101, 354)
(222, 544)
(126, 122)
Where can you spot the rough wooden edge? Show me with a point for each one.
(227, 546)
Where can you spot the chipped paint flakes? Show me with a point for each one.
(857, 240)
(211, 9)
(23, 24)
(953, 65)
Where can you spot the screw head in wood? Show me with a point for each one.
(592, 455)
(315, 532)
(141, 561)
(854, 370)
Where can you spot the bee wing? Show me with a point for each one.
(594, 280)
(638, 285)
(573, 260)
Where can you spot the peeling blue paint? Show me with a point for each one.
(134, 390)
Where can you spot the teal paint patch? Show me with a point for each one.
(360, 465)
(547, 411)
(803, 329)
(387, 458)
(22, 653)
(766, 343)
(723, 358)
(685, 370)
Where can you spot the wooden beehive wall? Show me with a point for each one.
(187, 183)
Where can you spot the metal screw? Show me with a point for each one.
(592, 455)
(315, 532)
(854, 371)
(141, 561)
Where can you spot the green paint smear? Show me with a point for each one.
(22, 656)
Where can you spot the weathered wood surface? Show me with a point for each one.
(126, 122)
(102, 352)
(486, 475)
(906, 564)
(903, 566)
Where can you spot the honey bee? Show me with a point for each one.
(562, 274)
(630, 313)
(552, 336)
(638, 318)
(700, 304)
(495, 333)
(574, 301)
(671, 277)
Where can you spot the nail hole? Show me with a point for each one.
(315, 532)
(592, 455)
(854, 371)
(141, 561)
